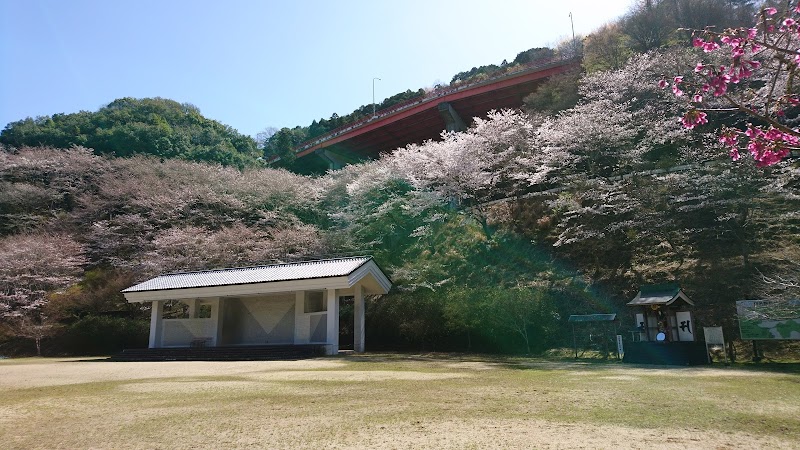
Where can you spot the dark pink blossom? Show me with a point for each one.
(710, 46)
(767, 144)
(771, 146)
(753, 64)
(729, 138)
(693, 118)
(720, 84)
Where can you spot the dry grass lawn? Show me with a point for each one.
(394, 401)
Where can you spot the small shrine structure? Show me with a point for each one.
(664, 331)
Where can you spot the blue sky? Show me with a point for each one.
(259, 64)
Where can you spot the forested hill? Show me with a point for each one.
(129, 126)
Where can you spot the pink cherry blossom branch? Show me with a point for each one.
(769, 143)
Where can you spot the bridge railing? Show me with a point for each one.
(432, 95)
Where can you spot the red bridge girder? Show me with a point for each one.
(420, 119)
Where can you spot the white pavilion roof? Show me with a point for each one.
(247, 275)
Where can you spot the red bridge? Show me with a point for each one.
(426, 117)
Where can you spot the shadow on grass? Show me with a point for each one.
(504, 361)
(513, 362)
(559, 363)
(778, 367)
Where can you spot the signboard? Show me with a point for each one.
(714, 336)
(620, 349)
(769, 319)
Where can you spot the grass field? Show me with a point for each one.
(395, 401)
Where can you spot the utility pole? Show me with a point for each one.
(373, 94)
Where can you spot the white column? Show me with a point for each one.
(217, 316)
(358, 320)
(156, 324)
(192, 307)
(332, 346)
(301, 325)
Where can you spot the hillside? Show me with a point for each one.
(467, 269)
(128, 126)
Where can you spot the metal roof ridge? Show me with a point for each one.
(222, 269)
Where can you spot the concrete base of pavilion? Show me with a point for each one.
(230, 353)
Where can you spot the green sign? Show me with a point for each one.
(769, 319)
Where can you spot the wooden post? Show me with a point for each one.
(574, 341)
(756, 356)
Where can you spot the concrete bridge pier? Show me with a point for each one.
(452, 120)
(335, 162)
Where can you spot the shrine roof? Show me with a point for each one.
(660, 294)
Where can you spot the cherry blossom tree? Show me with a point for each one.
(32, 266)
(754, 78)
(623, 124)
(196, 248)
(468, 169)
(463, 168)
(36, 329)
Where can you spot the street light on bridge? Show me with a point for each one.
(574, 44)
(373, 95)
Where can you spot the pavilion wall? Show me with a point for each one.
(259, 320)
